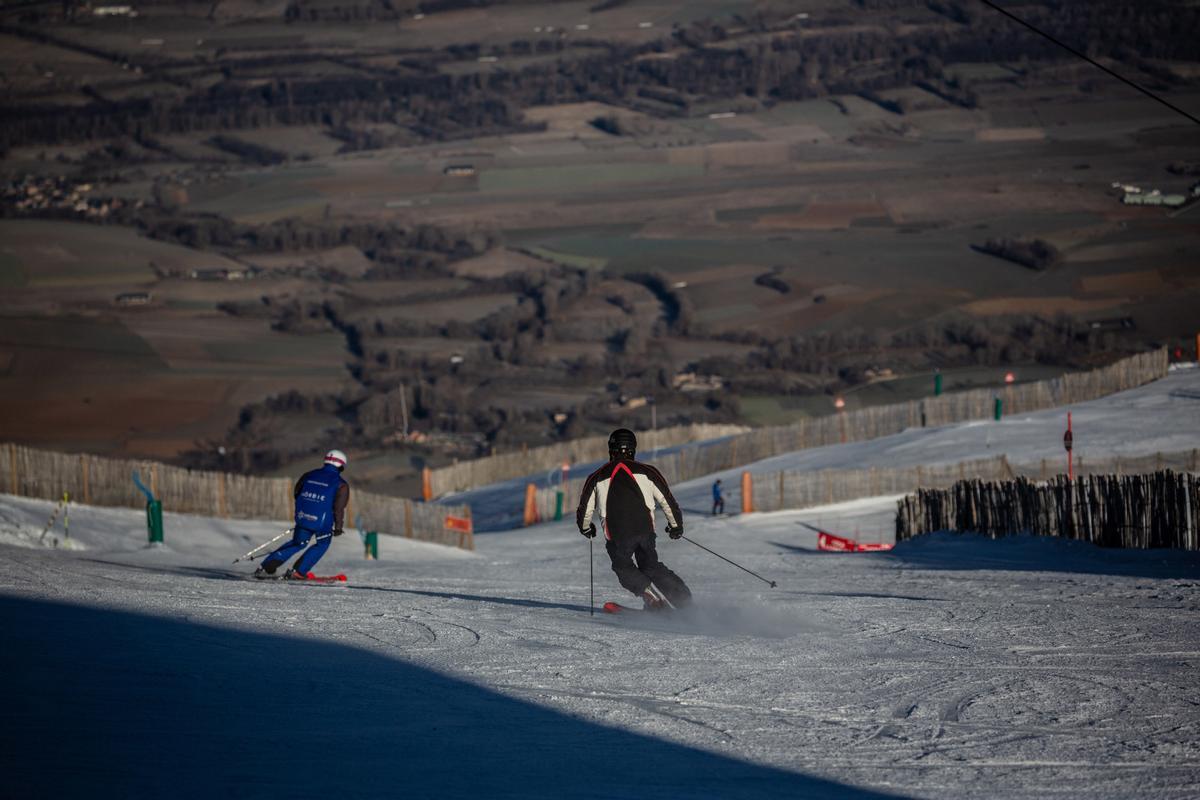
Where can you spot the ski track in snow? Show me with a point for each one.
(1020, 668)
(951, 667)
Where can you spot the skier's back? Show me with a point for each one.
(623, 494)
(321, 498)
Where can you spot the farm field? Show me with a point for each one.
(547, 231)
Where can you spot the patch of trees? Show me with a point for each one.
(305, 316)
(356, 139)
(786, 66)
(248, 151)
(678, 311)
(951, 90)
(893, 106)
(609, 124)
(607, 5)
(379, 241)
(771, 280)
(264, 438)
(1036, 254)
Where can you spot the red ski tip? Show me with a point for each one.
(613, 608)
(840, 544)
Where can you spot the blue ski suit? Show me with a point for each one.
(321, 498)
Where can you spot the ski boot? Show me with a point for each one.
(295, 575)
(652, 602)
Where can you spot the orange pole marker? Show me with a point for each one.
(531, 510)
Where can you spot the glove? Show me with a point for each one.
(675, 532)
(589, 531)
(338, 531)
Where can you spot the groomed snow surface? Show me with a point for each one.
(951, 667)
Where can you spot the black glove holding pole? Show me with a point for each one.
(589, 531)
(675, 532)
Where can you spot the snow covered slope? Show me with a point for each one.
(950, 668)
(1161, 416)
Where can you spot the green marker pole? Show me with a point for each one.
(154, 521)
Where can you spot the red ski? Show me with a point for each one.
(310, 578)
(616, 608)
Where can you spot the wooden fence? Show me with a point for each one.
(518, 464)
(850, 426)
(794, 489)
(1158, 509)
(101, 481)
(1073, 387)
(797, 489)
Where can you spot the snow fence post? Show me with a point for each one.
(154, 521)
(371, 545)
(747, 493)
(998, 411)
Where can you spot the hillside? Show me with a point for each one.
(427, 231)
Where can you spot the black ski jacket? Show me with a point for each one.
(622, 493)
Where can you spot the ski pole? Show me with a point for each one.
(591, 581)
(251, 555)
(723, 558)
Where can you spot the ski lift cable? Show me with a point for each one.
(1091, 61)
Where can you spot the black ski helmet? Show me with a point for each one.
(622, 443)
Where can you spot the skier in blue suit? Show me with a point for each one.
(321, 499)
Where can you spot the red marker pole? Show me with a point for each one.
(1068, 442)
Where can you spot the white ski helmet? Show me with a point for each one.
(336, 458)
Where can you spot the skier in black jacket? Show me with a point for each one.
(623, 493)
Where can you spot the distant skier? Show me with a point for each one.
(622, 493)
(718, 498)
(321, 498)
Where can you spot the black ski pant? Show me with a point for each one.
(636, 563)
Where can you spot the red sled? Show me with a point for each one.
(839, 544)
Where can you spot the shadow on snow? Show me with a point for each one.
(105, 703)
(1023, 553)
